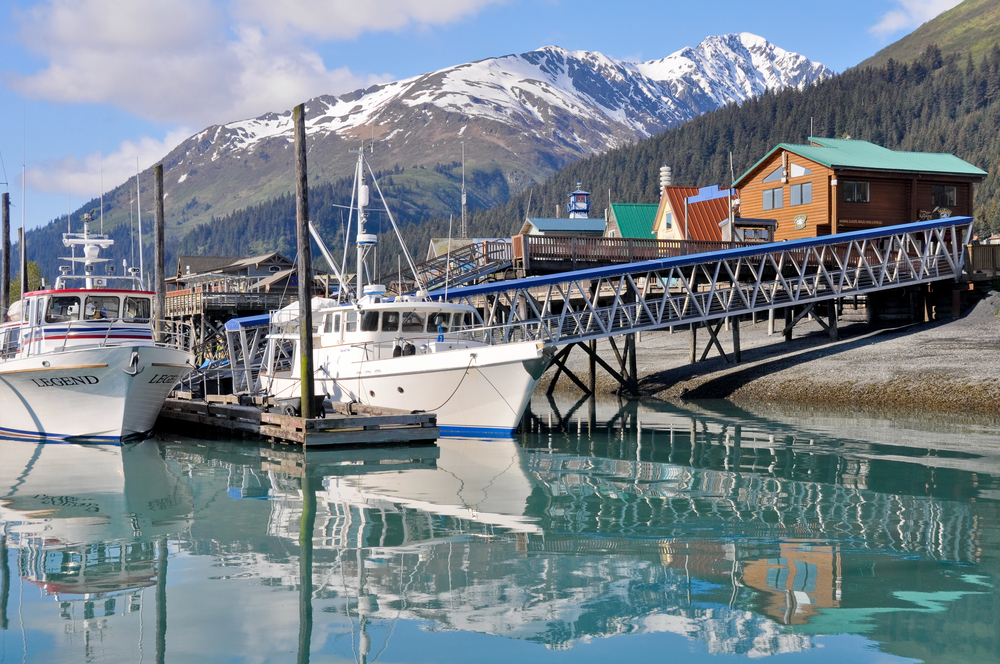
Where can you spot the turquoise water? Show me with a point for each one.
(607, 530)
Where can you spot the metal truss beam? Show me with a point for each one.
(588, 304)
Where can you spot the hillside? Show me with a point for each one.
(972, 27)
(520, 116)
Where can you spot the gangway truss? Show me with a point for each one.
(601, 302)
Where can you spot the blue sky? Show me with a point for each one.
(90, 87)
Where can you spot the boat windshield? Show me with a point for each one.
(62, 308)
(101, 306)
(439, 321)
(413, 321)
(390, 321)
(137, 309)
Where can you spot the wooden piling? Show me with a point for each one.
(831, 308)
(737, 354)
(304, 262)
(592, 365)
(159, 268)
(5, 259)
(693, 356)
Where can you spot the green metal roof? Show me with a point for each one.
(838, 153)
(635, 220)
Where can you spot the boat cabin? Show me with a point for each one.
(61, 318)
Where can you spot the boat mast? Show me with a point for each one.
(365, 241)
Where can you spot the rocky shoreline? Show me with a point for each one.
(950, 366)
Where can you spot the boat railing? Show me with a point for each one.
(72, 335)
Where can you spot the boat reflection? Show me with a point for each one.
(745, 533)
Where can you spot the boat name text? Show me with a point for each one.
(65, 381)
(164, 378)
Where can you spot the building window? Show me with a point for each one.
(802, 194)
(855, 192)
(668, 221)
(944, 195)
(774, 198)
(773, 176)
(800, 171)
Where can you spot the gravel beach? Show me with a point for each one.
(950, 366)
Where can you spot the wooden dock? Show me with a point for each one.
(348, 424)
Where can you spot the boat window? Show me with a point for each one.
(369, 321)
(137, 309)
(336, 323)
(439, 322)
(101, 306)
(62, 308)
(390, 321)
(413, 321)
(328, 323)
(462, 321)
(352, 321)
(9, 341)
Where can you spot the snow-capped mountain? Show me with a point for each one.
(526, 114)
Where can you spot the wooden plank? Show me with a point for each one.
(393, 435)
(208, 420)
(222, 398)
(355, 421)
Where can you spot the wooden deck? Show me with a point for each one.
(349, 424)
(538, 254)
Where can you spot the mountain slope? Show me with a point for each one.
(971, 28)
(519, 117)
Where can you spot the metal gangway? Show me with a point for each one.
(475, 261)
(572, 307)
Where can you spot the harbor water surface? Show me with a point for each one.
(606, 531)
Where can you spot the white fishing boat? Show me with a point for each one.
(84, 361)
(407, 352)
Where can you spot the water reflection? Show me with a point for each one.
(709, 530)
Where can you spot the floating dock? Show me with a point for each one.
(348, 424)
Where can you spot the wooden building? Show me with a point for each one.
(837, 185)
(631, 220)
(561, 227)
(691, 213)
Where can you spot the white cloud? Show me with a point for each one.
(910, 14)
(84, 177)
(347, 19)
(198, 62)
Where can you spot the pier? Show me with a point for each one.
(348, 424)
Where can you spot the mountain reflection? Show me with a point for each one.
(745, 533)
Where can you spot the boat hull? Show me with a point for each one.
(99, 395)
(478, 391)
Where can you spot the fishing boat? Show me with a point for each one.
(409, 352)
(84, 361)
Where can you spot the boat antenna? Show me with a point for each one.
(465, 232)
(138, 214)
(102, 186)
(447, 265)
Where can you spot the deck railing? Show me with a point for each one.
(533, 251)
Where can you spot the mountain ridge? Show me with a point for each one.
(524, 116)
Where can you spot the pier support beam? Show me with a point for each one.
(304, 263)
